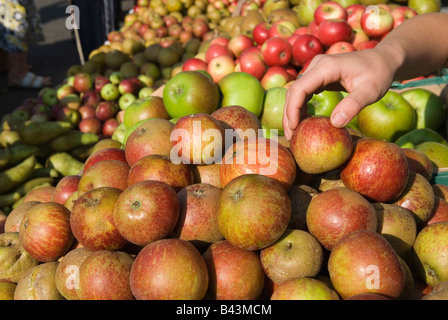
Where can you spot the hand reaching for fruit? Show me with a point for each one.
(367, 74)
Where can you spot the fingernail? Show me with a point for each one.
(339, 119)
(289, 124)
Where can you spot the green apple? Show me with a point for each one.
(425, 6)
(430, 247)
(272, 113)
(323, 104)
(116, 77)
(119, 133)
(141, 109)
(354, 122)
(49, 96)
(417, 136)
(431, 111)
(243, 89)
(190, 92)
(146, 92)
(436, 152)
(109, 92)
(126, 100)
(270, 133)
(388, 118)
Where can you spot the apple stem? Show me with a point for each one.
(135, 205)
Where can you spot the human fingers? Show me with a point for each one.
(320, 74)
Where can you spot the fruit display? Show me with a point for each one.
(159, 169)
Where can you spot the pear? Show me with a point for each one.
(284, 14)
(271, 5)
(305, 10)
(115, 58)
(249, 22)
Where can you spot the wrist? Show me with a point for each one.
(395, 56)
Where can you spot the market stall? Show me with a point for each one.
(163, 156)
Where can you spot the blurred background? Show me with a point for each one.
(52, 57)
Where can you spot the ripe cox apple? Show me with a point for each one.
(245, 219)
(176, 261)
(319, 147)
(258, 156)
(150, 136)
(370, 166)
(365, 262)
(329, 223)
(227, 265)
(45, 231)
(197, 139)
(160, 168)
(91, 220)
(111, 283)
(146, 211)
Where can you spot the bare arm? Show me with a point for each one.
(416, 47)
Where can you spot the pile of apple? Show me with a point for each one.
(186, 209)
(280, 47)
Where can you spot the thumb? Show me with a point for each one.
(349, 107)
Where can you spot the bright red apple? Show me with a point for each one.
(332, 31)
(305, 48)
(329, 10)
(277, 51)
